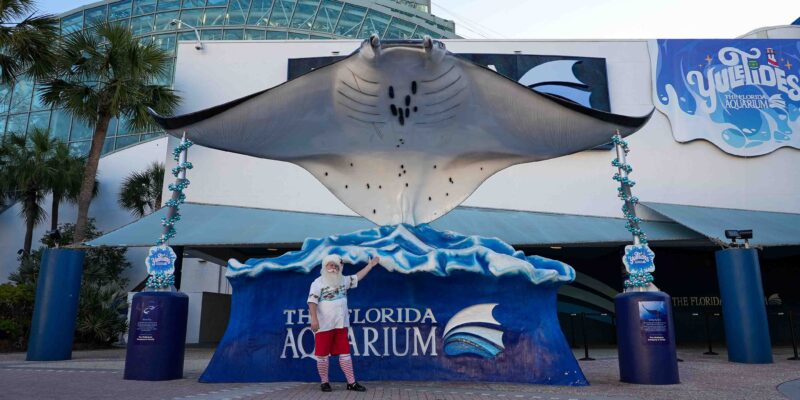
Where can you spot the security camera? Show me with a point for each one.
(173, 22)
(734, 234)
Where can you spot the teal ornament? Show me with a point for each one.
(161, 260)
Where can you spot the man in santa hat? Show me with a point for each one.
(330, 318)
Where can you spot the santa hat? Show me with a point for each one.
(332, 258)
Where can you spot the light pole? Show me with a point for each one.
(199, 44)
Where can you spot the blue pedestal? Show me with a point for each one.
(646, 338)
(157, 336)
(56, 307)
(743, 309)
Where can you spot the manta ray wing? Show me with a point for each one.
(403, 132)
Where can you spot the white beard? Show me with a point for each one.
(331, 279)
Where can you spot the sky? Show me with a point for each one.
(591, 19)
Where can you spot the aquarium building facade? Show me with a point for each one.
(697, 173)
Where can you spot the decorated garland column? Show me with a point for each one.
(645, 332)
(638, 259)
(161, 258)
(157, 332)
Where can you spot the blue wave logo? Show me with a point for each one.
(473, 330)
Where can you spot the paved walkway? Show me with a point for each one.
(98, 375)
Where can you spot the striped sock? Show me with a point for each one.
(322, 368)
(346, 362)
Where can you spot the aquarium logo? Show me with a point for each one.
(474, 330)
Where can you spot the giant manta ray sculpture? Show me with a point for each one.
(401, 132)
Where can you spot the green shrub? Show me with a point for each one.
(102, 301)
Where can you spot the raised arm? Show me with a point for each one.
(364, 271)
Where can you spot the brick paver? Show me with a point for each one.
(98, 375)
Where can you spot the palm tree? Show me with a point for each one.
(27, 173)
(25, 40)
(141, 191)
(67, 182)
(103, 74)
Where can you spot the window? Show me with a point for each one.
(237, 12)
(72, 23)
(17, 124)
(214, 17)
(144, 7)
(191, 17)
(21, 99)
(142, 25)
(212, 3)
(281, 13)
(38, 104)
(166, 78)
(350, 21)
(254, 34)
(399, 29)
(421, 32)
(108, 145)
(80, 130)
(193, 3)
(80, 148)
(39, 120)
(59, 125)
(5, 98)
(125, 141)
(121, 9)
(375, 22)
(327, 16)
(166, 5)
(233, 34)
(272, 35)
(298, 36)
(164, 21)
(304, 14)
(166, 42)
(211, 34)
(259, 12)
(95, 15)
(187, 36)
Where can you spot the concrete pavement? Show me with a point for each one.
(98, 375)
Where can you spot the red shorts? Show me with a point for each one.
(333, 342)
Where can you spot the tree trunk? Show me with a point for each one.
(54, 212)
(30, 222)
(89, 173)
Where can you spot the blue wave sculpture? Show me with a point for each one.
(441, 306)
(409, 249)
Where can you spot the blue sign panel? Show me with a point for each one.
(639, 258)
(160, 260)
(419, 326)
(741, 95)
(653, 320)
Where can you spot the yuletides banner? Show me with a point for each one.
(742, 95)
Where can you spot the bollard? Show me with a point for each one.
(56, 306)
(744, 313)
(585, 340)
(710, 351)
(156, 336)
(794, 339)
